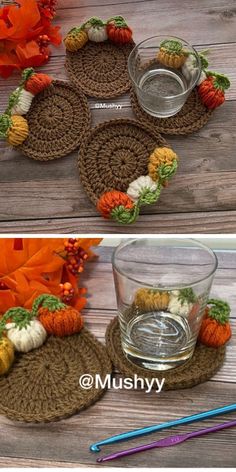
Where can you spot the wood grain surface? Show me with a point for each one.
(66, 443)
(48, 197)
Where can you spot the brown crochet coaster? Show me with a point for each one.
(58, 119)
(203, 365)
(193, 116)
(43, 385)
(114, 154)
(100, 69)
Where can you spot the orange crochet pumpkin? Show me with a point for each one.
(118, 31)
(56, 317)
(215, 330)
(35, 82)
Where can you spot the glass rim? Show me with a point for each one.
(172, 287)
(170, 37)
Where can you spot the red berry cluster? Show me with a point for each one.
(75, 256)
(67, 292)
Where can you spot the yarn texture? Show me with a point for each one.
(28, 338)
(148, 299)
(162, 164)
(58, 119)
(44, 384)
(99, 69)
(141, 185)
(18, 131)
(116, 153)
(172, 54)
(57, 317)
(6, 355)
(23, 102)
(193, 116)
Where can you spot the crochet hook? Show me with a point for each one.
(166, 442)
(158, 427)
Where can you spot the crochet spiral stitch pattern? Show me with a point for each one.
(193, 116)
(43, 385)
(58, 119)
(100, 69)
(203, 365)
(114, 154)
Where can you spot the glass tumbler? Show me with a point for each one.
(163, 82)
(162, 287)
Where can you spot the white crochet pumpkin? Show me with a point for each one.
(98, 34)
(24, 102)
(28, 338)
(139, 185)
(177, 306)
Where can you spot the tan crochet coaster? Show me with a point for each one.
(193, 116)
(114, 154)
(43, 385)
(100, 69)
(203, 365)
(58, 119)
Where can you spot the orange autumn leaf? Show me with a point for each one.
(22, 20)
(35, 267)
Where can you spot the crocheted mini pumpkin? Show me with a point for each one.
(172, 53)
(148, 299)
(6, 355)
(24, 332)
(57, 317)
(13, 126)
(215, 330)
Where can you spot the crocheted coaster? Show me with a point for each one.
(204, 364)
(193, 116)
(115, 153)
(100, 69)
(43, 385)
(58, 119)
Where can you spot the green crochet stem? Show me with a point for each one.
(172, 46)
(221, 81)
(124, 215)
(219, 310)
(5, 124)
(74, 31)
(147, 197)
(166, 172)
(47, 301)
(94, 21)
(26, 74)
(203, 59)
(187, 295)
(119, 21)
(13, 99)
(19, 316)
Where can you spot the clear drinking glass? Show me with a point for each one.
(162, 90)
(162, 287)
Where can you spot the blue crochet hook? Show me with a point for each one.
(158, 427)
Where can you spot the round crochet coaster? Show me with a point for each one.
(203, 365)
(193, 116)
(114, 154)
(43, 385)
(58, 119)
(100, 69)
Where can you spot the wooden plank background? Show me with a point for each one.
(66, 443)
(48, 197)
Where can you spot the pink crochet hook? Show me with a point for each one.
(166, 442)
